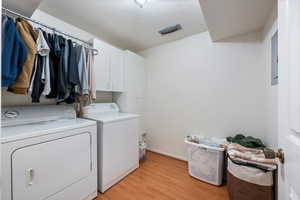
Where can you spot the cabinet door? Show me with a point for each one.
(117, 70)
(141, 77)
(102, 66)
(42, 170)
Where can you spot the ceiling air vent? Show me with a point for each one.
(170, 29)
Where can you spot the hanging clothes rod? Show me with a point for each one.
(49, 27)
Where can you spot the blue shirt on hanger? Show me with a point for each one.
(14, 53)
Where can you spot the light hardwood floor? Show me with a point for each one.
(163, 178)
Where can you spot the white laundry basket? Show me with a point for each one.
(205, 162)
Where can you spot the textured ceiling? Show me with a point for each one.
(125, 25)
(24, 7)
(229, 18)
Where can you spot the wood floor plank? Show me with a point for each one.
(163, 178)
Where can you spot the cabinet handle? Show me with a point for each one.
(30, 175)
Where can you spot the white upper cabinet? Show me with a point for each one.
(109, 67)
(117, 70)
(101, 67)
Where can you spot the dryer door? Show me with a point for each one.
(42, 170)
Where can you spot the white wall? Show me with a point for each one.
(271, 91)
(194, 85)
(10, 99)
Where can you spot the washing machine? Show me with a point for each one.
(48, 154)
(118, 152)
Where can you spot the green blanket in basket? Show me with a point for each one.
(249, 142)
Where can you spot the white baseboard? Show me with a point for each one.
(168, 154)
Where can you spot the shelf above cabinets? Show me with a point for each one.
(108, 67)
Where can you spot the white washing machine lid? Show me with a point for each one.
(113, 117)
(106, 113)
(101, 108)
(33, 121)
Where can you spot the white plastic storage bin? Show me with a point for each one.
(205, 162)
